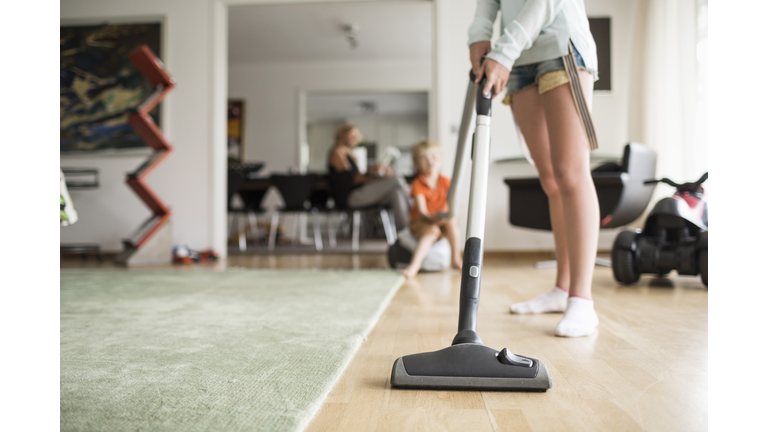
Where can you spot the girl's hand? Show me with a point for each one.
(476, 52)
(496, 77)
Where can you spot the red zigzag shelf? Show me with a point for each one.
(153, 71)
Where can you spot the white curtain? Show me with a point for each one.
(665, 97)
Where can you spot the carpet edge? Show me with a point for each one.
(317, 406)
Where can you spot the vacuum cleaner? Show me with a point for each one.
(468, 364)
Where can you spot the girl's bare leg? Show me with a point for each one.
(570, 163)
(571, 169)
(425, 242)
(529, 113)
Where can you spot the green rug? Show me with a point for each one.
(197, 350)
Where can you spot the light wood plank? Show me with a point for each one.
(644, 369)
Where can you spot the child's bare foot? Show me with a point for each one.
(409, 272)
(456, 263)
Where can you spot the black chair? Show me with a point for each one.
(320, 199)
(234, 180)
(241, 181)
(340, 186)
(252, 193)
(296, 191)
(621, 193)
(251, 169)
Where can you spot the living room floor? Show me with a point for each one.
(645, 368)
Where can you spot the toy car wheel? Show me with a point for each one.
(624, 270)
(623, 259)
(703, 257)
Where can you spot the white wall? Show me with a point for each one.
(271, 97)
(185, 179)
(610, 114)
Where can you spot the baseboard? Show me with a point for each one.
(541, 255)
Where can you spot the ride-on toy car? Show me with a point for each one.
(674, 237)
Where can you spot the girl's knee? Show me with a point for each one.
(432, 231)
(548, 183)
(568, 176)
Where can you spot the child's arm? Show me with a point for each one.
(421, 207)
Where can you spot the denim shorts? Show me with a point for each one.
(522, 77)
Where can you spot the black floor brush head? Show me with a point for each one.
(468, 367)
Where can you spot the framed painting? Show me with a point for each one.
(100, 86)
(236, 131)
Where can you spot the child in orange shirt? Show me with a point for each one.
(429, 219)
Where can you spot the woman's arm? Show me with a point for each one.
(485, 15)
(481, 31)
(519, 34)
(339, 161)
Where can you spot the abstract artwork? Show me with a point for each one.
(100, 87)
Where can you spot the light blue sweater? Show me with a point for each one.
(534, 30)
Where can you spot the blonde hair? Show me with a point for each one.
(420, 148)
(344, 130)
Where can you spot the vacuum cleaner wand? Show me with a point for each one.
(468, 364)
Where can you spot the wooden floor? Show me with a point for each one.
(644, 369)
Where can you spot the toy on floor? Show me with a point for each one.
(182, 254)
(674, 237)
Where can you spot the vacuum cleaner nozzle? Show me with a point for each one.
(470, 367)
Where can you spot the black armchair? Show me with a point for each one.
(621, 193)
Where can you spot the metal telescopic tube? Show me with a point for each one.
(473, 249)
(462, 146)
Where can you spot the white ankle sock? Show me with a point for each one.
(579, 320)
(553, 301)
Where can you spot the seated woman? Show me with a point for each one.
(378, 186)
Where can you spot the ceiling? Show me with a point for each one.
(337, 106)
(313, 31)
